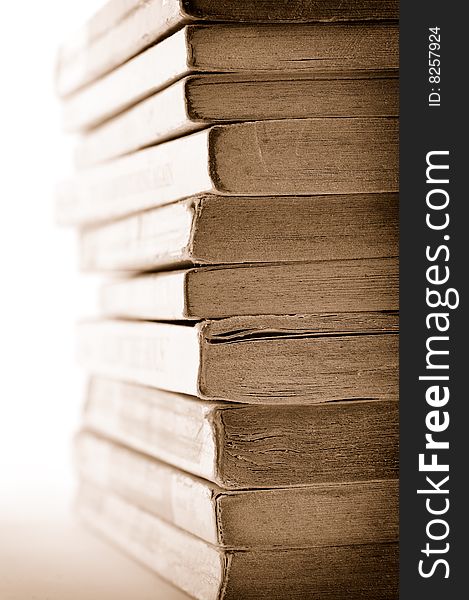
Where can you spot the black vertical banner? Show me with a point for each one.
(434, 272)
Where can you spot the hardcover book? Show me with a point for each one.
(130, 30)
(236, 179)
(331, 514)
(272, 359)
(279, 289)
(222, 230)
(263, 158)
(240, 446)
(248, 53)
(208, 572)
(197, 102)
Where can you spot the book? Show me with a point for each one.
(238, 446)
(249, 51)
(274, 289)
(208, 572)
(106, 17)
(297, 359)
(331, 514)
(197, 102)
(262, 158)
(210, 229)
(131, 31)
(237, 180)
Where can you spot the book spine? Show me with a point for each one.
(182, 559)
(148, 73)
(168, 427)
(140, 126)
(145, 241)
(146, 179)
(184, 501)
(150, 22)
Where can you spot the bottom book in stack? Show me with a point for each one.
(235, 501)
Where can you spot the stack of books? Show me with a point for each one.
(237, 177)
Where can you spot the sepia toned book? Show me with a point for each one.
(121, 31)
(197, 102)
(249, 53)
(262, 158)
(272, 359)
(274, 289)
(210, 229)
(331, 514)
(239, 446)
(236, 179)
(209, 572)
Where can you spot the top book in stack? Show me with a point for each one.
(120, 30)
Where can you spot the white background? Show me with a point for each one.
(41, 292)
